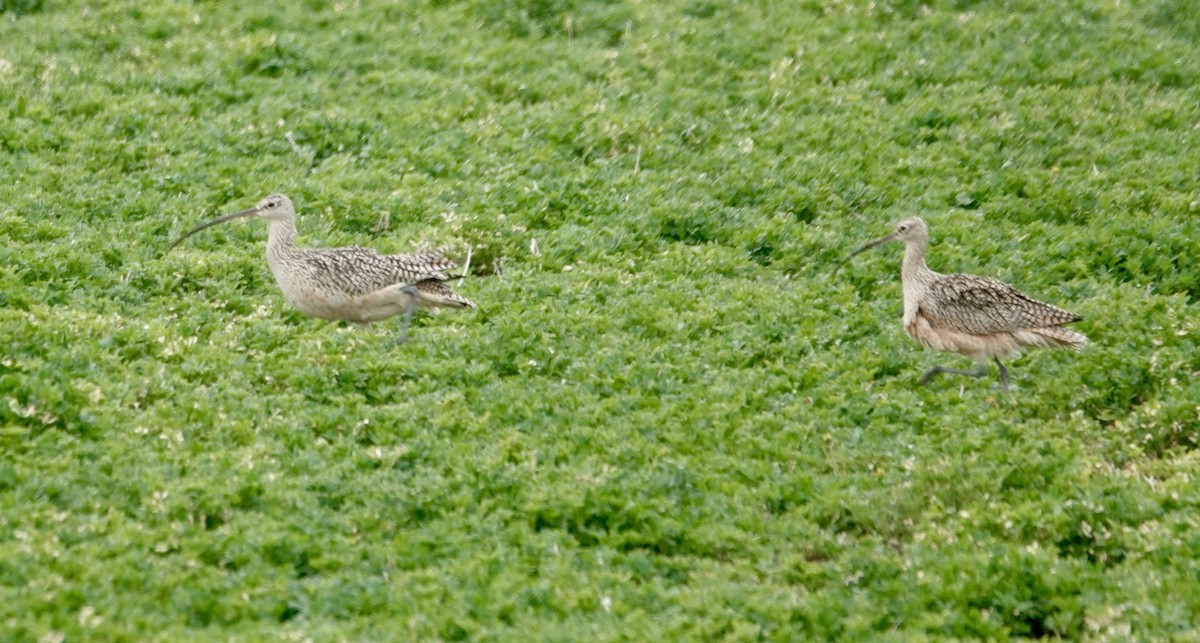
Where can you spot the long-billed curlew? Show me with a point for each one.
(979, 317)
(351, 283)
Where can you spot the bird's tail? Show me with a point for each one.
(1059, 337)
(434, 293)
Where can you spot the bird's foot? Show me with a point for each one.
(1003, 375)
(936, 370)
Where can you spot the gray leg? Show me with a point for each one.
(409, 309)
(933, 372)
(1003, 375)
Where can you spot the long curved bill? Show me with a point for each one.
(863, 249)
(209, 224)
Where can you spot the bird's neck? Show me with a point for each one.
(915, 277)
(281, 236)
(914, 268)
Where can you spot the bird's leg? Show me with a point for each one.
(933, 372)
(409, 309)
(386, 302)
(1003, 375)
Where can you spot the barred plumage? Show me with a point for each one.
(979, 317)
(983, 305)
(351, 283)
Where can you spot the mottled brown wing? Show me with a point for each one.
(359, 271)
(436, 293)
(982, 305)
(431, 265)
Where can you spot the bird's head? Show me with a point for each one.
(909, 231)
(273, 208)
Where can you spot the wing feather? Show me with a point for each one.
(358, 271)
(982, 305)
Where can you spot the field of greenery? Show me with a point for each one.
(668, 418)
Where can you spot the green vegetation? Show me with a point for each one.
(670, 421)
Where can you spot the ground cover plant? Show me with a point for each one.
(667, 419)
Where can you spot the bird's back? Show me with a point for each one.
(983, 306)
(356, 271)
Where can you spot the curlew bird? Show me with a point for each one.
(350, 284)
(979, 317)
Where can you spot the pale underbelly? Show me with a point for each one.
(340, 306)
(326, 307)
(978, 347)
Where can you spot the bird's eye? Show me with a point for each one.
(902, 228)
(272, 204)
